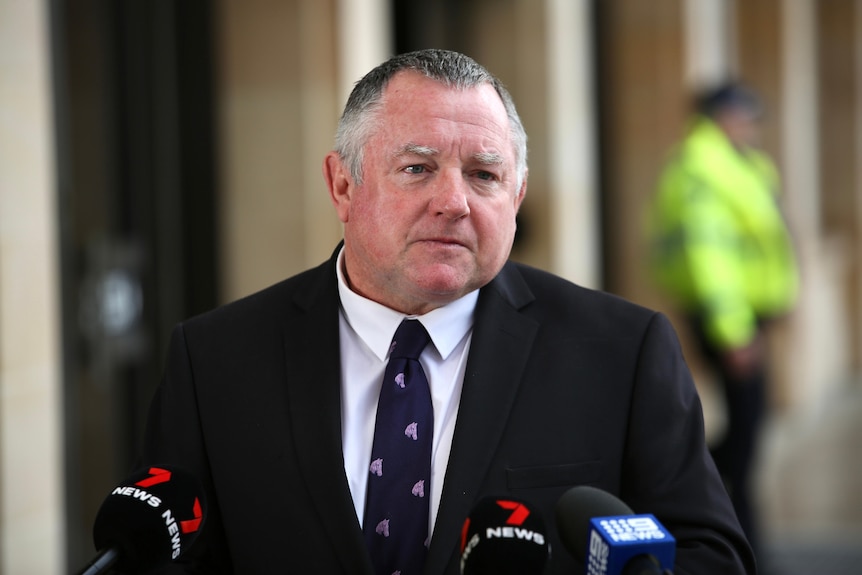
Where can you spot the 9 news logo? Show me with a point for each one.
(632, 529)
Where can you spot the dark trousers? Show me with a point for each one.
(734, 455)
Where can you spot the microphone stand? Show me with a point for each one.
(101, 562)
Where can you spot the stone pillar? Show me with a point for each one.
(708, 30)
(31, 503)
(279, 83)
(571, 136)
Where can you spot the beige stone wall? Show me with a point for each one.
(261, 152)
(281, 86)
(285, 70)
(31, 507)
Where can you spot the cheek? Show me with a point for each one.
(373, 221)
(505, 217)
(498, 229)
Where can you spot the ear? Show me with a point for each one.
(339, 183)
(521, 193)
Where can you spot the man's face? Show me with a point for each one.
(434, 217)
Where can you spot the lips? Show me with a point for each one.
(444, 242)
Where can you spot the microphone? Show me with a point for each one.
(606, 535)
(503, 536)
(147, 521)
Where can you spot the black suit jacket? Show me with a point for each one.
(564, 386)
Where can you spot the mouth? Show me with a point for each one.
(443, 242)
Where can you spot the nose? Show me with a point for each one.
(450, 198)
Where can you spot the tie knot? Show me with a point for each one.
(409, 340)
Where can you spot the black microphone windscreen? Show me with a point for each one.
(504, 536)
(575, 509)
(151, 518)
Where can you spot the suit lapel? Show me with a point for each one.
(311, 344)
(501, 345)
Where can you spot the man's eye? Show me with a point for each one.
(482, 175)
(415, 169)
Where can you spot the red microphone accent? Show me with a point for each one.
(157, 475)
(464, 530)
(192, 525)
(519, 513)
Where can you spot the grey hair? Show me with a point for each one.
(451, 69)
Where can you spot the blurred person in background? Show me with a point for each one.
(722, 253)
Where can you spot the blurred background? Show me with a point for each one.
(161, 157)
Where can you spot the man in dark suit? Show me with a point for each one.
(537, 385)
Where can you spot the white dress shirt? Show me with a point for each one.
(366, 329)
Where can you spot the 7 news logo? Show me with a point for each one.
(175, 528)
(513, 529)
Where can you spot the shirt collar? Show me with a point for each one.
(375, 324)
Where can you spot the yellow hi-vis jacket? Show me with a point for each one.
(719, 247)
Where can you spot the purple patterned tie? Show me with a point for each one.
(396, 505)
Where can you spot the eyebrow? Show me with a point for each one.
(488, 158)
(416, 149)
(484, 158)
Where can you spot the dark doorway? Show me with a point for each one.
(137, 194)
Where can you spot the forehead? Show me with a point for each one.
(413, 105)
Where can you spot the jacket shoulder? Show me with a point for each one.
(274, 304)
(556, 299)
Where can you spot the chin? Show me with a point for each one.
(444, 292)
